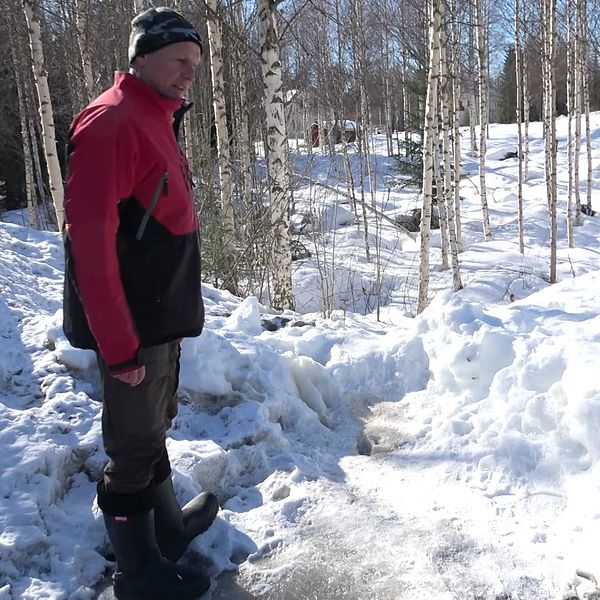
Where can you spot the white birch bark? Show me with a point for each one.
(46, 115)
(440, 190)
(456, 89)
(578, 104)
(473, 85)
(546, 96)
(435, 20)
(447, 130)
(277, 155)
(480, 26)
(386, 52)
(473, 124)
(588, 139)
(362, 119)
(215, 42)
(550, 118)
(586, 103)
(519, 78)
(570, 73)
(526, 114)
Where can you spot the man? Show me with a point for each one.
(132, 291)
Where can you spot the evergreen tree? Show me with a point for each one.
(507, 89)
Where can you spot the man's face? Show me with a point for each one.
(169, 70)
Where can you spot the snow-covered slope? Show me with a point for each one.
(451, 455)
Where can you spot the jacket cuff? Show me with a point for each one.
(128, 365)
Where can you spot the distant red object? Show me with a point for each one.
(314, 135)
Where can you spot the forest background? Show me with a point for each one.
(326, 72)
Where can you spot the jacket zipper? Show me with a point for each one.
(163, 184)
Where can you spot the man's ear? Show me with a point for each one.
(138, 62)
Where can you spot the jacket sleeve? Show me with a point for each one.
(102, 163)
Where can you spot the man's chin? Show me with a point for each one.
(174, 94)
(179, 93)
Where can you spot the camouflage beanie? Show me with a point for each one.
(158, 27)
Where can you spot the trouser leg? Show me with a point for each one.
(134, 425)
(135, 420)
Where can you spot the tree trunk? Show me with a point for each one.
(440, 189)
(46, 115)
(570, 100)
(243, 129)
(480, 25)
(48, 215)
(526, 111)
(579, 26)
(81, 23)
(549, 23)
(32, 207)
(456, 91)
(472, 84)
(435, 21)
(277, 156)
(519, 79)
(362, 119)
(586, 105)
(215, 42)
(447, 128)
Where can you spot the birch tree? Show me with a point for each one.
(215, 42)
(549, 58)
(447, 146)
(435, 24)
(578, 95)
(359, 68)
(570, 103)
(519, 111)
(440, 188)
(454, 68)
(586, 101)
(474, 81)
(526, 113)
(277, 155)
(45, 107)
(32, 208)
(480, 26)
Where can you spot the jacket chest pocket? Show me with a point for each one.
(162, 189)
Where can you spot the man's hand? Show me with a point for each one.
(133, 378)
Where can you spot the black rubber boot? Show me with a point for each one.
(176, 527)
(141, 572)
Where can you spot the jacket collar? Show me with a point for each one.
(131, 84)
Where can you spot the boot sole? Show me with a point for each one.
(121, 594)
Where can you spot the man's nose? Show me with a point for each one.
(188, 72)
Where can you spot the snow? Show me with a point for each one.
(454, 454)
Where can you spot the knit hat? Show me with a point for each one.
(158, 27)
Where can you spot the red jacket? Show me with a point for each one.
(131, 238)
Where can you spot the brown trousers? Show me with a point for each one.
(135, 420)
